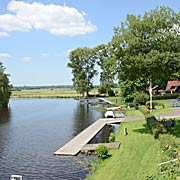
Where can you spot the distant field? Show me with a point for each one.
(48, 93)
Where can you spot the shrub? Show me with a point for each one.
(166, 96)
(111, 92)
(141, 98)
(148, 105)
(144, 110)
(155, 126)
(112, 137)
(102, 152)
(102, 89)
(170, 145)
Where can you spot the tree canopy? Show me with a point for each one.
(5, 87)
(107, 62)
(143, 49)
(148, 48)
(82, 62)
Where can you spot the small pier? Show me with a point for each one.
(106, 101)
(74, 146)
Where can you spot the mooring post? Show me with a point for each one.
(125, 131)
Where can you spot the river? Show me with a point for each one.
(31, 130)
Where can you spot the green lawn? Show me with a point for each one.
(138, 155)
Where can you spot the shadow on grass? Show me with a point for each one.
(144, 130)
(176, 130)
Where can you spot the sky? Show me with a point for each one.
(36, 36)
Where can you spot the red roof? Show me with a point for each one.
(172, 85)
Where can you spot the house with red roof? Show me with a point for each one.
(173, 86)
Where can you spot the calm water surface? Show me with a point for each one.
(31, 130)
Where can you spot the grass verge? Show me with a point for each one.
(138, 156)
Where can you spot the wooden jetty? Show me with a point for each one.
(106, 101)
(74, 146)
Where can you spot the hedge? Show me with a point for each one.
(144, 110)
(166, 96)
(155, 126)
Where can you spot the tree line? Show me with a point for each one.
(144, 49)
(5, 87)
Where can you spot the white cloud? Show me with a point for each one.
(3, 34)
(69, 50)
(4, 56)
(25, 59)
(56, 19)
(44, 55)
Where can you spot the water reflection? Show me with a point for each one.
(84, 115)
(5, 114)
(32, 129)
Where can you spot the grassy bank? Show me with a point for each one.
(138, 156)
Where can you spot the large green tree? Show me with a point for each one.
(82, 62)
(5, 87)
(148, 49)
(107, 62)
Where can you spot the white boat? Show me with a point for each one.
(109, 114)
(114, 114)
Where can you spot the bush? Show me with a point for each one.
(111, 92)
(159, 104)
(155, 126)
(148, 105)
(101, 89)
(112, 137)
(166, 96)
(141, 98)
(144, 110)
(102, 152)
(170, 145)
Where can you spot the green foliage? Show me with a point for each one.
(102, 89)
(102, 152)
(148, 105)
(155, 126)
(159, 104)
(144, 110)
(166, 96)
(148, 49)
(170, 146)
(108, 64)
(82, 63)
(5, 87)
(111, 92)
(141, 98)
(112, 137)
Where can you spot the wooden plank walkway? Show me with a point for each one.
(106, 101)
(74, 146)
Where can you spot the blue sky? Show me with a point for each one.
(37, 36)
